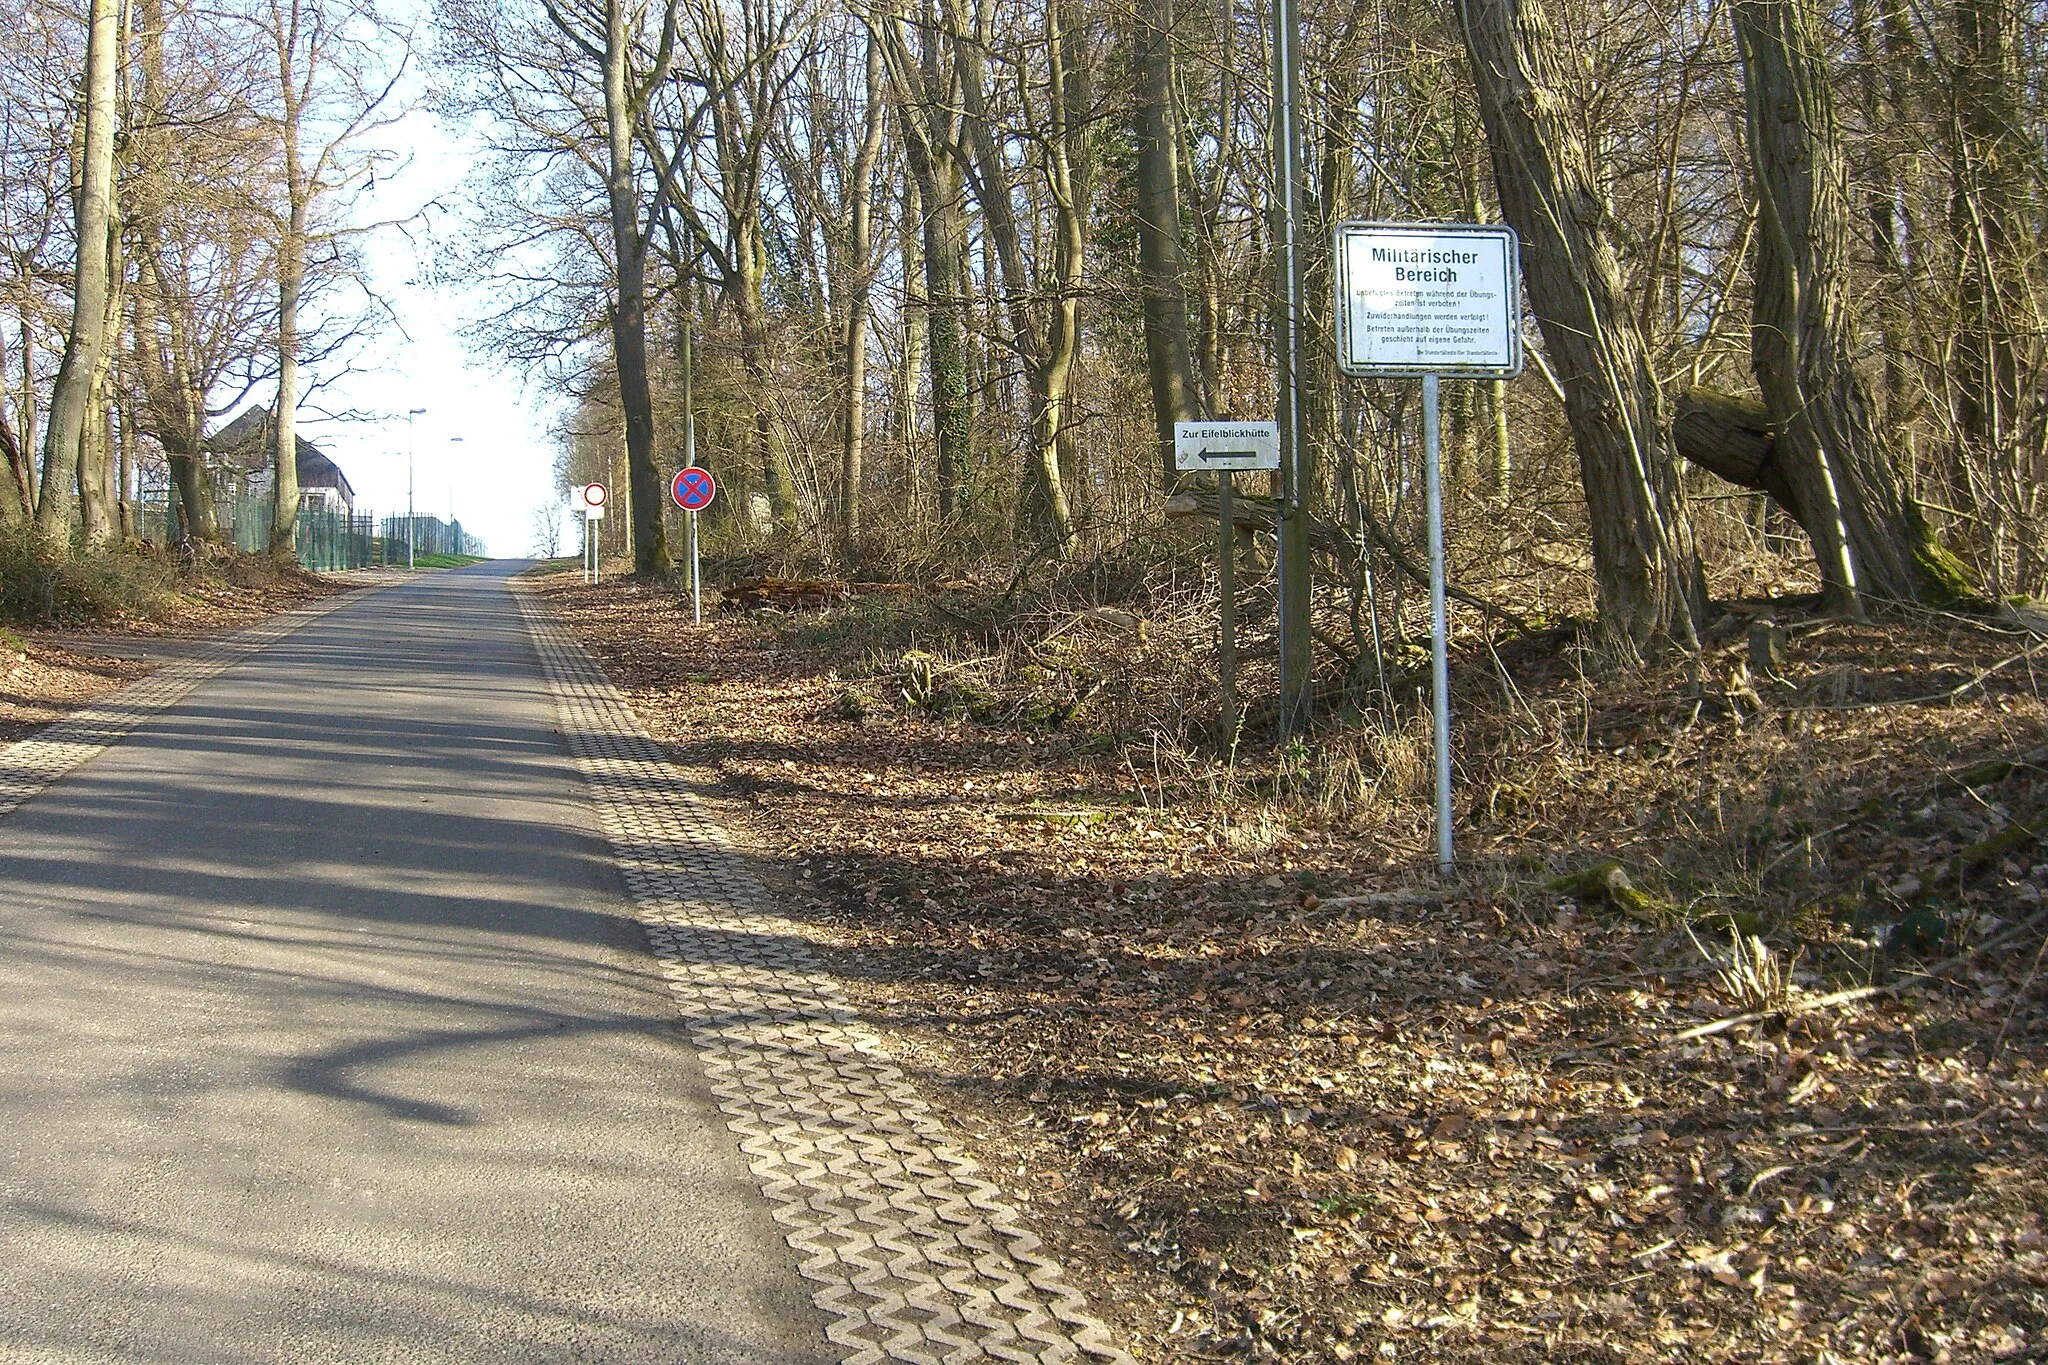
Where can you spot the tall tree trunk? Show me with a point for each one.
(911, 363)
(1062, 344)
(1047, 345)
(195, 495)
(1988, 223)
(31, 418)
(629, 305)
(861, 269)
(95, 477)
(71, 399)
(1497, 426)
(17, 498)
(284, 465)
(97, 521)
(1646, 568)
(124, 478)
(945, 292)
(291, 274)
(930, 124)
(1842, 475)
(1169, 359)
(16, 504)
(770, 463)
(174, 404)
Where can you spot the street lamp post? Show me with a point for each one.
(411, 445)
(453, 441)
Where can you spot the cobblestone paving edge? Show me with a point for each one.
(913, 1255)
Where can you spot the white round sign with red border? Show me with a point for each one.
(590, 500)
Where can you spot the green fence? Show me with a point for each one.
(326, 540)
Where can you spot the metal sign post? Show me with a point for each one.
(589, 500)
(1290, 525)
(1223, 448)
(693, 490)
(690, 462)
(1439, 618)
(1430, 300)
(591, 517)
(1226, 613)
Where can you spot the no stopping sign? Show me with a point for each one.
(693, 489)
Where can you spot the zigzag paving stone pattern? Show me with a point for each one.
(915, 1256)
(29, 765)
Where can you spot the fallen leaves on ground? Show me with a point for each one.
(1272, 1097)
(42, 682)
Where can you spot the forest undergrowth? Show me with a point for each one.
(1727, 1042)
(142, 586)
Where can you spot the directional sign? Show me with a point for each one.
(1428, 298)
(693, 489)
(594, 494)
(1226, 445)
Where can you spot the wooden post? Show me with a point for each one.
(1226, 635)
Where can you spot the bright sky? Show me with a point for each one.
(500, 470)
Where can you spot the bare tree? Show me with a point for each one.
(1842, 472)
(861, 272)
(65, 442)
(334, 69)
(1648, 574)
(1169, 358)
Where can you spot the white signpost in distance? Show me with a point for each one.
(589, 500)
(1430, 299)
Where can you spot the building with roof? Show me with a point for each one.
(247, 447)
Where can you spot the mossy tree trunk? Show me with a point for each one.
(1843, 477)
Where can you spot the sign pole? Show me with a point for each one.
(693, 490)
(1226, 633)
(1439, 621)
(690, 459)
(1429, 300)
(1223, 449)
(1290, 527)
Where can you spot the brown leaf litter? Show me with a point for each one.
(1274, 1096)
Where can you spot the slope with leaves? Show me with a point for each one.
(1280, 1098)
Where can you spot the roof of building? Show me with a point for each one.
(250, 441)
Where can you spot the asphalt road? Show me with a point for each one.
(327, 1034)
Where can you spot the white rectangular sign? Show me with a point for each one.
(593, 513)
(1428, 298)
(1226, 445)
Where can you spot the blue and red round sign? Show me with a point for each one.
(693, 489)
